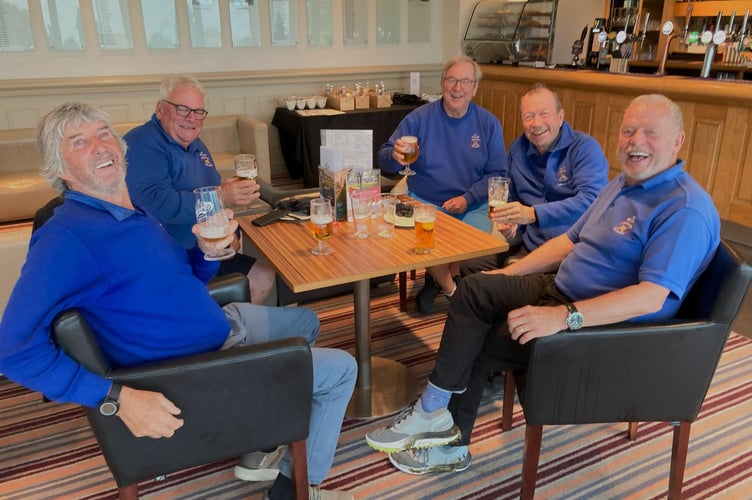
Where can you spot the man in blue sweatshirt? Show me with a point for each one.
(167, 161)
(555, 172)
(144, 295)
(461, 146)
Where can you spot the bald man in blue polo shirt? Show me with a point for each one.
(632, 256)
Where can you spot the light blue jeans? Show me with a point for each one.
(334, 374)
(476, 214)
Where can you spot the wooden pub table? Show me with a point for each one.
(384, 386)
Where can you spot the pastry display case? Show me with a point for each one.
(507, 31)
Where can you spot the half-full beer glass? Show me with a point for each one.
(212, 220)
(245, 167)
(321, 225)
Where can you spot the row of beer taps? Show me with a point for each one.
(711, 40)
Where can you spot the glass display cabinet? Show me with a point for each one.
(508, 31)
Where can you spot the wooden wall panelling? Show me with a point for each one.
(732, 187)
(717, 120)
(704, 126)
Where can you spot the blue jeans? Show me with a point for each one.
(334, 374)
(476, 214)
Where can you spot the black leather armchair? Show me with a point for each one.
(233, 401)
(631, 372)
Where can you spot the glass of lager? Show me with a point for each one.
(245, 167)
(321, 225)
(425, 220)
(412, 150)
(498, 192)
(212, 220)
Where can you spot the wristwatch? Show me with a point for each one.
(109, 405)
(574, 318)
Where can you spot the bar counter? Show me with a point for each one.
(717, 120)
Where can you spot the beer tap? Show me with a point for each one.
(729, 55)
(668, 30)
(713, 41)
(740, 47)
(641, 36)
(684, 42)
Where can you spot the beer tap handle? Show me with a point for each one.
(731, 23)
(685, 33)
(644, 29)
(740, 47)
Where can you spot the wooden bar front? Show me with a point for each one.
(717, 120)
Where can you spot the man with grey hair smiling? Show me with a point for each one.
(144, 295)
(169, 160)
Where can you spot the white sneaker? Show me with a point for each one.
(317, 494)
(259, 466)
(415, 428)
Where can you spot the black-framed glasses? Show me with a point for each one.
(465, 83)
(183, 111)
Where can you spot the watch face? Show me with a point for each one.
(108, 408)
(575, 321)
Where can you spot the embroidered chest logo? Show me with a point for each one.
(206, 159)
(475, 141)
(561, 174)
(625, 226)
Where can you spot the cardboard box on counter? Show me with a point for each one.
(381, 101)
(362, 102)
(341, 103)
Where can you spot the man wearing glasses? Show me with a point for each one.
(461, 146)
(167, 160)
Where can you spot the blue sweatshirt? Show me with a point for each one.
(559, 184)
(143, 294)
(162, 176)
(457, 155)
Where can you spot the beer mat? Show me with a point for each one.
(319, 112)
(296, 217)
(401, 221)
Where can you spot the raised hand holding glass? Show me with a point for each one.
(412, 150)
(213, 222)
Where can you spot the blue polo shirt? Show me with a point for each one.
(664, 230)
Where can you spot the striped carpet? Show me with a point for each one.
(47, 451)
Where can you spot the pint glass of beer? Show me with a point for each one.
(321, 225)
(498, 192)
(425, 220)
(212, 220)
(245, 167)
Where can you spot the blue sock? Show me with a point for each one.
(434, 398)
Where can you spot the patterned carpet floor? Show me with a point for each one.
(47, 450)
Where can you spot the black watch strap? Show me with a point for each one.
(114, 392)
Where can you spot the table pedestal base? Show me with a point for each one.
(393, 387)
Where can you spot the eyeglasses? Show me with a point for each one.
(465, 83)
(184, 111)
